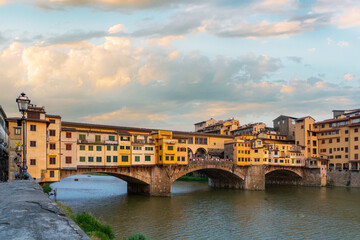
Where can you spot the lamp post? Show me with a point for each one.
(23, 103)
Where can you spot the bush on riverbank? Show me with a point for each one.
(193, 178)
(46, 188)
(89, 224)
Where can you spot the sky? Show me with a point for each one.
(169, 64)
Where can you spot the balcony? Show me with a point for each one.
(101, 142)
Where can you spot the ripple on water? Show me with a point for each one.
(196, 212)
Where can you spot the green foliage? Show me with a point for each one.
(193, 178)
(137, 236)
(46, 188)
(89, 224)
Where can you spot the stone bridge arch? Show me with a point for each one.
(283, 175)
(201, 152)
(221, 174)
(138, 175)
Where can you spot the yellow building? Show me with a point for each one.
(165, 147)
(143, 150)
(238, 150)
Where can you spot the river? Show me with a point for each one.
(195, 211)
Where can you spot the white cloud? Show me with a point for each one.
(348, 77)
(116, 28)
(311, 50)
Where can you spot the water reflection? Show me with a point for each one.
(197, 212)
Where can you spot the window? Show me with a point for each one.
(90, 159)
(52, 160)
(356, 130)
(52, 146)
(97, 138)
(68, 135)
(338, 140)
(137, 158)
(199, 140)
(356, 147)
(122, 147)
(108, 148)
(323, 141)
(127, 147)
(346, 131)
(52, 133)
(52, 174)
(330, 140)
(147, 158)
(32, 143)
(82, 147)
(356, 156)
(98, 148)
(108, 158)
(68, 147)
(111, 138)
(330, 150)
(183, 159)
(124, 158)
(33, 128)
(114, 158)
(91, 148)
(178, 159)
(52, 120)
(172, 158)
(98, 159)
(346, 139)
(82, 137)
(33, 162)
(167, 158)
(115, 148)
(68, 159)
(17, 131)
(190, 140)
(82, 159)
(356, 138)
(170, 148)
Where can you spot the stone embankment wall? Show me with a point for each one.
(343, 179)
(26, 212)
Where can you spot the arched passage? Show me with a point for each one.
(201, 153)
(190, 153)
(282, 177)
(218, 177)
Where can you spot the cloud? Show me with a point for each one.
(311, 50)
(344, 14)
(348, 77)
(276, 6)
(116, 28)
(295, 59)
(149, 85)
(339, 43)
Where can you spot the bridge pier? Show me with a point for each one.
(255, 178)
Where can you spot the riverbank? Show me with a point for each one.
(194, 178)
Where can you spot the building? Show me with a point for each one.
(4, 147)
(221, 127)
(199, 127)
(249, 129)
(285, 125)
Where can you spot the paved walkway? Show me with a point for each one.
(26, 212)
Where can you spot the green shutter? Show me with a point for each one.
(147, 158)
(82, 137)
(82, 159)
(111, 138)
(115, 148)
(183, 159)
(172, 158)
(114, 158)
(137, 158)
(108, 158)
(98, 159)
(98, 148)
(108, 148)
(91, 159)
(91, 148)
(82, 147)
(97, 138)
(124, 158)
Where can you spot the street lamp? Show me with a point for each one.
(23, 103)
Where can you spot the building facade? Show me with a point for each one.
(4, 147)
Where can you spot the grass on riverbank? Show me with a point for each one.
(137, 236)
(193, 178)
(89, 224)
(46, 188)
(96, 174)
